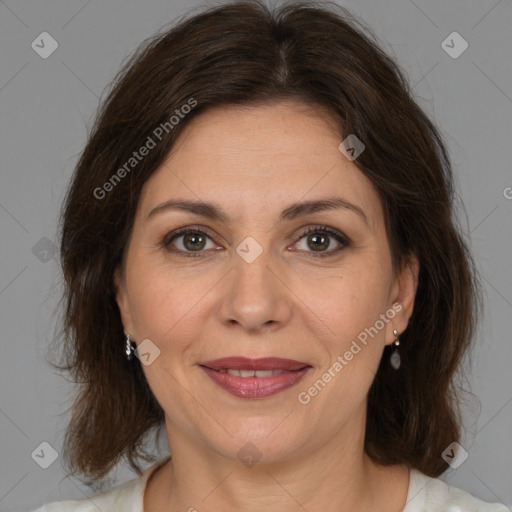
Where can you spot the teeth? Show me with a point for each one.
(252, 373)
(265, 373)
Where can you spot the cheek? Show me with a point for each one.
(166, 306)
(345, 304)
(154, 299)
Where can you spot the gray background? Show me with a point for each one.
(47, 107)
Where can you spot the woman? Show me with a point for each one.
(263, 217)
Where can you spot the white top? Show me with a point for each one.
(425, 494)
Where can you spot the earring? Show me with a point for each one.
(395, 356)
(129, 348)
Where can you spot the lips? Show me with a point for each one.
(254, 378)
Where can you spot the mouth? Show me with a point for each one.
(254, 378)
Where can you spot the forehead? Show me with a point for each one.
(263, 158)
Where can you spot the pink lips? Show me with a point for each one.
(274, 375)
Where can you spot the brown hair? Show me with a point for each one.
(245, 53)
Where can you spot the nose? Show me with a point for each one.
(256, 297)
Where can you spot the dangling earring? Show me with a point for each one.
(129, 348)
(395, 356)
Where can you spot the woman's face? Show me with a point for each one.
(256, 284)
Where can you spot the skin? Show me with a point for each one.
(254, 162)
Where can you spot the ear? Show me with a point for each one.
(122, 300)
(403, 293)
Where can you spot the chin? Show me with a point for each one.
(260, 441)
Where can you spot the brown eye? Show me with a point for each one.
(194, 241)
(319, 239)
(187, 241)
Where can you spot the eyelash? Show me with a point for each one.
(345, 242)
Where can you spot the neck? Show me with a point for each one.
(332, 477)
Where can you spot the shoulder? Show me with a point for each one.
(105, 501)
(127, 497)
(434, 495)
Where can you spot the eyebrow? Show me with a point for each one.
(214, 212)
